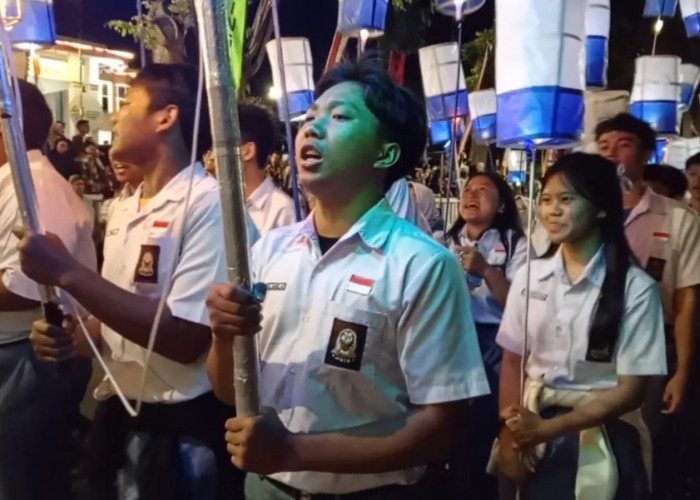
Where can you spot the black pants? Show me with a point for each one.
(160, 476)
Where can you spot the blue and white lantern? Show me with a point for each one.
(690, 76)
(660, 8)
(657, 156)
(598, 32)
(362, 16)
(443, 81)
(690, 10)
(441, 131)
(679, 150)
(482, 110)
(540, 72)
(37, 26)
(458, 8)
(657, 92)
(298, 72)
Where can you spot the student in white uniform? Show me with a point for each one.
(367, 350)
(36, 405)
(402, 201)
(594, 339)
(268, 205)
(664, 235)
(491, 245)
(175, 444)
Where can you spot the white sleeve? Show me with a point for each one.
(202, 261)
(436, 338)
(688, 269)
(517, 259)
(510, 334)
(642, 346)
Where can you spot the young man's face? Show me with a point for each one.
(134, 128)
(340, 145)
(626, 149)
(78, 187)
(84, 128)
(693, 175)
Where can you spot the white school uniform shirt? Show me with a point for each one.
(664, 234)
(560, 318)
(200, 262)
(401, 201)
(378, 324)
(485, 307)
(270, 207)
(61, 212)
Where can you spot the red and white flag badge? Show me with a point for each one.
(360, 285)
(159, 228)
(661, 236)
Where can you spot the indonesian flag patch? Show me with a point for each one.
(360, 285)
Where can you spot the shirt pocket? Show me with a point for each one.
(350, 340)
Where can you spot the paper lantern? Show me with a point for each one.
(482, 109)
(298, 72)
(657, 156)
(690, 76)
(354, 16)
(657, 92)
(690, 10)
(443, 81)
(515, 160)
(454, 9)
(37, 25)
(660, 8)
(441, 131)
(601, 106)
(540, 72)
(598, 31)
(679, 150)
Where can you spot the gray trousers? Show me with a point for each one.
(33, 428)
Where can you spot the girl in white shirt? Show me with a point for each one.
(594, 338)
(489, 242)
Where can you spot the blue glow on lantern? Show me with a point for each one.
(299, 102)
(692, 24)
(442, 107)
(449, 8)
(660, 115)
(663, 8)
(546, 115)
(357, 15)
(519, 178)
(597, 61)
(485, 128)
(37, 24)
(657, 156)
(440, 132)
(687, 94)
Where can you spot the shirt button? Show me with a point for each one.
(292, 370)
(305, 319)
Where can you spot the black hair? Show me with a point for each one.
(673, 179)
(400, 113)
(177, 84)
(693, 160)
(595, 179)
(61, 122)
(258, 126)
(37, 115)
(506, 219)
(81, 122)
(625, 122)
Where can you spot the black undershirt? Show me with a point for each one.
(326, 243)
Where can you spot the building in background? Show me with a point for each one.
(80, 79)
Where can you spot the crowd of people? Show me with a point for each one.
(395, 360)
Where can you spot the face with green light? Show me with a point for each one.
(340, 149)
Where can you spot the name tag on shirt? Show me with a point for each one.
(276, 287)
(535, 295)
(360, 285)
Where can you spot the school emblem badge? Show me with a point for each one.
(147, 264)
(346, 345)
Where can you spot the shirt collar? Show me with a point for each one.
(261, 193)
(176, 189)
(650, 202)
(373, 227)
(594, 271)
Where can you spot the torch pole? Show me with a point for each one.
(226, 135)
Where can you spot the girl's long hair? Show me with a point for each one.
(595, 178)
(506, 219)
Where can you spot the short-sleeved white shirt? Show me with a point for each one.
(201, 262)
(664, 234)
(60, 212)
(559, 321)
(401, 201)
(270, 207)
(378, 324)
(485, 307)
